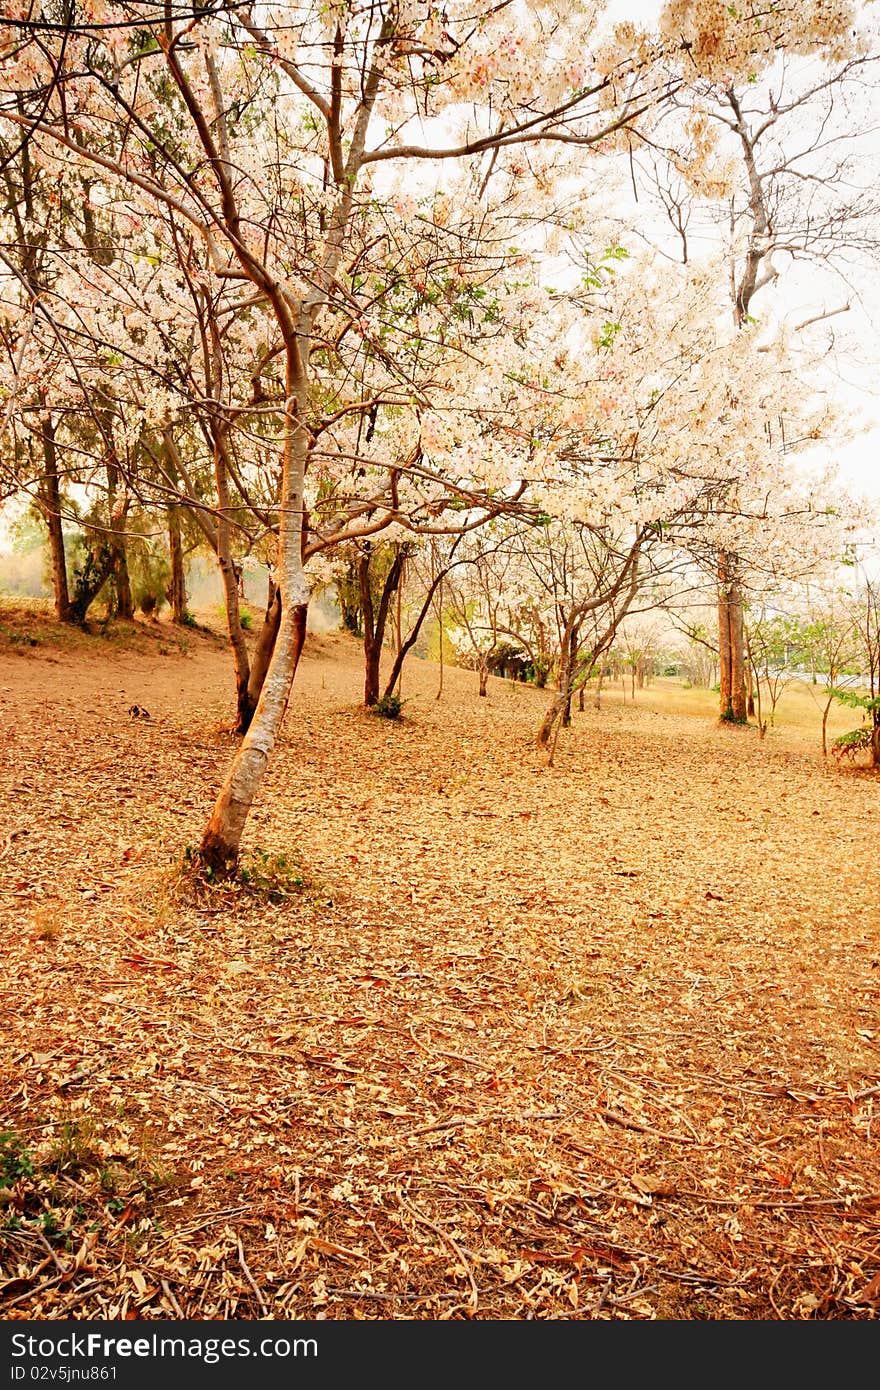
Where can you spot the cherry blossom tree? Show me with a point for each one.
(779, 160)
(181, 109)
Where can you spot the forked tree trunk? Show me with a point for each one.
(375, 622)
(410, 642)
(561, 703)
(49, 499)
(221, 842)
(263, 650)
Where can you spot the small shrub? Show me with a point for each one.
(851, 744)
(15, 1161)
(187, 619)
(728, 717)
(74, 1149)
(270, 876)
(389, 707)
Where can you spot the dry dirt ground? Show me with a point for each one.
(477, 1038)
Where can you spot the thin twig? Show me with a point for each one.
(250, 1278)
(169, 1294)
(444, 1235)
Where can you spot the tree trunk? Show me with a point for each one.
(176, 594)
(89, 580)
(49, 500)
(410, 642)
(561, 704)
(554, 710)
(244, 709)
(731, 656)
(374, 622)
(483, 671)
(123, 603)
(221, 842)
(574, 639)
(600, 682)
(825, 713)
(372, 649)
(262, 656)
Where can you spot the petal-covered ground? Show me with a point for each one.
(474, 1037)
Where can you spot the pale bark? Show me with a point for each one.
(732, 699)
(572, 667)
(731, 644)
(560, 706)
(222, 839)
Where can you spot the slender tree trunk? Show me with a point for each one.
(573, 639)
(561, 702)
(483, 672)
(49, 498)
(375, 622)
(398, 629)
(123, 604)
(737, 664)
(731, 656)
(371, 653)
(176, 592)
(440, 626)
(229, 576)
(221, 842)
(825, 712)
(262, 656)
(410, 642)
(177, 588)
